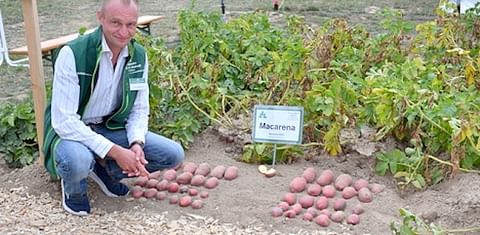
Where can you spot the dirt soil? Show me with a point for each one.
(31, 201)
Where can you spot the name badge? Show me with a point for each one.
(137, 84)
(135, 74)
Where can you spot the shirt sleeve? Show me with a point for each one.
(137, 123)
(65, 100)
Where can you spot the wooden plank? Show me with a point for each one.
(147, 20)
(32, 34)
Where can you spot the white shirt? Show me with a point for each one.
(103, 101)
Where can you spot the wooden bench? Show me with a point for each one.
(49, 46)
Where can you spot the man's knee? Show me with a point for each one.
(73, 159)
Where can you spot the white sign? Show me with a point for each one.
(278, 124)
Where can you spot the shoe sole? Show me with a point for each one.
(102, 186)
(65, 207)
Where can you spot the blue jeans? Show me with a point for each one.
(75, 161)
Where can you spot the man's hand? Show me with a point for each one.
(131, 161)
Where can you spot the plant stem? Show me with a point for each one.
(450, 164)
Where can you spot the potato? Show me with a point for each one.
(322, 220)
(149, 193)
(376, 188)
(360, 183)
(141, 181)
(349, 192)
(211, 183)
(162, 185)
(307, 216)
(358, 209)
(353, 219)
(173, 199)
(324, 212)
(197, 180)
(231, 173)
(339, 204)
(314, 190)
(151, 183)
(329, 191)
(284, 206)
(325, 178)
(290, 198)
(137, 191)
(298, 184)
(277, 211)
(172, 187)
(192, 192)
(306, 201)
(218, 172)
(297, 208)
(203, 194)
(312, 211)
(322, 203)
(189, 167)
(183, 189)
(203, 169)
(290, 213)
(155, 175)
(185, 201)
(161, 196)
(343, 181)
(170, 175)
(197, 204)
(337, 216)
(309, 174)
(364, 195)
(184, 178)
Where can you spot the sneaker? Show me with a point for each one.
(76, 204)
(109, 186)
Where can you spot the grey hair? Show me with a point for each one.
(126, 2)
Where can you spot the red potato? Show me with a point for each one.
(185, 201)
(309, 174)
(197, 180)
(343, 181)
(290, 213)
(364, 195)
(197, 204)
(149, 193)
(322, 220)
(325, 178)
(231, 173)
(151, 183)
(329, 191)
(211, 183)
(155, 175)
(312, 211)
(307, 216)
(203, 194)
(314, 190)
(298, 184)
(162, 185)
(306, 201)
(358, 209)
(349, 192)
(339, 204)
(376, 188)
(322, 203)
(218, 172)
(141, 181)
(189, 167)
(161, 196)
(337, 216)
(276, 211)
(137, 191)
(173, 199)
(325, 212)
(290, 198)
(360, 183)
(183, 189)
(184, 178)
(170, 175)
(192, 192)
(353, 219)
(297, 208)
(203, 169)
(284, 206)
(172, 187)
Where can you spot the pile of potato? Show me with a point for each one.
(325, 197)
(186, 185)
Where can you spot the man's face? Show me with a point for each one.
(119, 23)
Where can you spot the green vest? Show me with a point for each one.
(87, 51)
